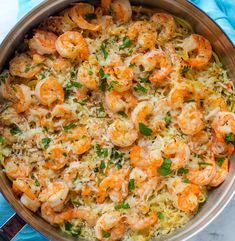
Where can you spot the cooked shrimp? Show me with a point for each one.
(202, 47)
(220, 147)
(20, 95)
(58, 64)
(73, 174)
(43, 42)
(220, 174)
(144, 159)
(77, 14)
(139, 222)
(223, 124)
(112, 223)
(32, 205)
(144, 33)
(79, 138)
(204, 174)
(190, 120)
(199, 143)
(115, 186)
(56, 157)
(122, 133)
(165, 25)
(120, 77)
(178, 152)
(120, 8)
(23, 66)
(55, 194)
(151, 115)
(49, 91)
(159, 60)
(53, 217)
(56, 24)
(16, 168)
(179, 94)
(23, 94)
(72, 45)
(116, 101)
(88, 76)
(61, 115)
(184, 196)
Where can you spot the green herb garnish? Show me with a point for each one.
(205, 163)
(131, 184)
(122, 206)
(2, 139)
(101, 152)
(185, 69)
(90, 16)
(112, 83)
(229, 138)
(165, 168)
(160, 215)
(183, 171)
(145, 130)
(126, 42)
(46, 141)
(103, 77)
(123, 114)
(105, 234)
(102, 165)
(70, 126)
(15, 130)
(140, 88)
(104, 51)
(219, 161)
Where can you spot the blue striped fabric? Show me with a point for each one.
(222, 11)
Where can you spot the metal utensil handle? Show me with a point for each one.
(11, 227)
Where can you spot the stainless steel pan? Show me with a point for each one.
(202, 24)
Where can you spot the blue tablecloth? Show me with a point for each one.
(222, 11)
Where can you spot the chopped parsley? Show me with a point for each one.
(126, 42)
(103, 77)
(205, 163)
(197, 155)
(145, 130)
(90, 16)
(83, 102)
(37, 183)
(189, 101)
(103, 50)
(183, 171)
(46, 141)
(123, 114)
(112, 83)
(74, 231)
(219, 161)
(69, 127)
(140, 88)
(165, 168)
(2, 139)
(160, 215)
(101, 152)
(186, 180)
(102, 165)
(229, 138)
(122, 206)
(144, 79)
(90, 72)
(96, 169)
(105, 234)
(44, 73)
(3, 77)
(100, 113)
(168, 120)
(69, 86)
(131, 184)
(185, 69)
(15, 130)
(73, 73)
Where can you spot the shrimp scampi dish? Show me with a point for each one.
(120, 121)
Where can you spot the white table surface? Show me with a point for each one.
(221, 229)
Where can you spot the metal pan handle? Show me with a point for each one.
(11, 227)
